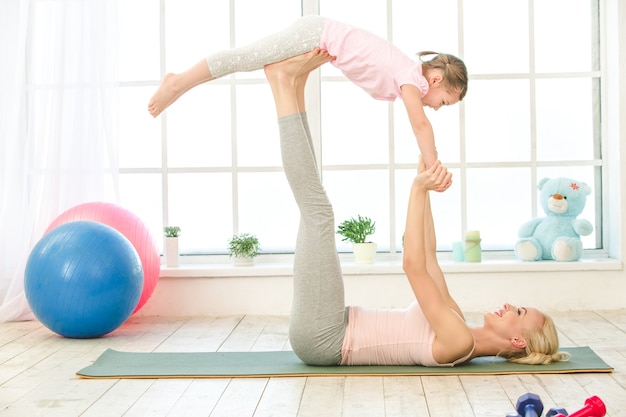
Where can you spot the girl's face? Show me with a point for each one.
(438, 92)
(438, 95)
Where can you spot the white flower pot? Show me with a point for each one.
(243, 261)
(364, 253)
(171, 251)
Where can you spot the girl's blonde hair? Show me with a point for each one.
(454, 70)
(542, 345)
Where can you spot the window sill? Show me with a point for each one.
(387, 267)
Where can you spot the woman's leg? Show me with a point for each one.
(317, 324)
(301, 37)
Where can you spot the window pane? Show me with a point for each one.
(498, 204)
(565, 119)
(496, 36)
(201, 204)
(563, 44)
(445, 122)
(258, 142)
(141, 194)
(140, 134)
(498, 121)
(360, 192)
(373, 18)
(446, 208)
(199, 128)
(249, 27)
(354, 126)
(268, 210)
(138, 46)
(442, 20)
(193, 30)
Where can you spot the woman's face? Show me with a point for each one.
(511, 321)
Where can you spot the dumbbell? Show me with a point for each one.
(556, 412)
(594, 407)
(529, 405)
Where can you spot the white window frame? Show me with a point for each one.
(612, 129)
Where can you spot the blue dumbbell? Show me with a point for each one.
(529, 405)
(555, 411)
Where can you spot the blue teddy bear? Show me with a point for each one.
(557, 236)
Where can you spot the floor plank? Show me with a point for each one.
(404, 396)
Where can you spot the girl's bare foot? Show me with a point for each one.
(175, 85)
(166, 94)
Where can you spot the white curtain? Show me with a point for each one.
(58, 123)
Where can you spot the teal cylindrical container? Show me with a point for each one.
(458, 254)
(472, 246)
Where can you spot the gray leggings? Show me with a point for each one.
(318, 315)
(301, 37)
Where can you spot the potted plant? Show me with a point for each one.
(357, 231)
(171, 245)
(243, 249)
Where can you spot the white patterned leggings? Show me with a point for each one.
(301, 37)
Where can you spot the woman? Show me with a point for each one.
(431, 331)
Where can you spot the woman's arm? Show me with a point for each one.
(432, 264)
(453, 338)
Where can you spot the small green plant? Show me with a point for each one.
(244, 245)
(356, 230)
(171, 231)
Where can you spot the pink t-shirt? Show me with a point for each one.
(389, 337)
(371, 62)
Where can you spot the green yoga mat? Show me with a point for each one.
(115, 364)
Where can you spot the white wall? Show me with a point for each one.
(266, 288)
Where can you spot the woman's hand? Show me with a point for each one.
(435, 178)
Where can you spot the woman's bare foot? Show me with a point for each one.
(288, 79)
(297, 67)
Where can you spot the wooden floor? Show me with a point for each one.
(37, 375)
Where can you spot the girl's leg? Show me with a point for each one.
(318, 316)
(301, 37)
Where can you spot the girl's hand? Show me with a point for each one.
(435, 178)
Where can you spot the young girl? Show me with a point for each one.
(367, 60)
(431, 331)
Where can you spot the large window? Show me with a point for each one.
(211, 163)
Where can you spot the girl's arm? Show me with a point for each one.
(453, 338)
(422, 129)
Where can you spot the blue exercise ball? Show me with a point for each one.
(83, 279)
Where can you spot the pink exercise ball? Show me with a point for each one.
(132, 227)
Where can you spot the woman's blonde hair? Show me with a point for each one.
(454, 70)
(542, 345)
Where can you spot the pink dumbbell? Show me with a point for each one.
(594, 407)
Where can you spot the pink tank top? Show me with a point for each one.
(371, 62)
(389, 337)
